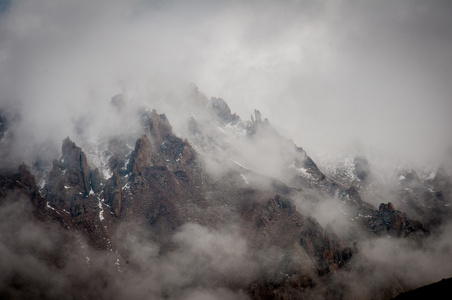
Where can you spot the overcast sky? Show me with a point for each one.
(329, 74)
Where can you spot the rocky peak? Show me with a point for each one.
(74, 162)
(69, 183)
(386, 207)
(221, 109)
(257, 115)
(158, 127)
(257, 123)
(389, 221)
(141, 157)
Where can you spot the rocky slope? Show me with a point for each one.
(225, 211)
(426, 198)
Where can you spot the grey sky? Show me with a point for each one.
(328, 74)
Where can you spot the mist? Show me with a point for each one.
(333, 76)
(42, 260)
(340, 78)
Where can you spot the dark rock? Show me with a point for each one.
(221, 109)
(76, 166)
(440, 290)
(159, 127)
(113, 193)
(386, 207)
(142, 157)
(97, 181)
(390, 221)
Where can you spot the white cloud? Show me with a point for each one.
(325, 73)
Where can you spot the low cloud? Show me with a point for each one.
(329, 75)
(336, 77)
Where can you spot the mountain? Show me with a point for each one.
(225, 209)
(437, 290)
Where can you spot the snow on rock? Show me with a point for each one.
(244, 179)
(237, 129)
(101, 212)
(48, 205)
(302, 171)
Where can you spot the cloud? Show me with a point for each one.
(385, 267)
(332, 75)
(38, 258)
(206, 264)
(325, 73)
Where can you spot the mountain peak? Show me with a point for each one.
(228, 177)
(158, 127)
(75, 163)
(221, 110)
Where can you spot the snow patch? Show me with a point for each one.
(101, 212)
(365, 216)
(48, 205)
(244, 179)
(107, 173)
(303, 171)
(238, 129)
(126, 186)
(431, 176)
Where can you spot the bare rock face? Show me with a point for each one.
(281, 223)
(69, 186)
(76, 166)
(427, 200)
(221, 109)
(398, 223)
(309, 250)
(159, 127)
(388, 220)
(23, 182)
(113, 193)
(97, 181)
(161, 186)
(142, 157)
(386, 207)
